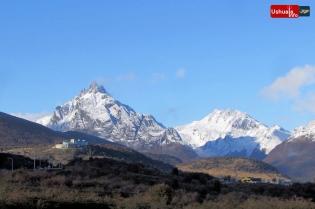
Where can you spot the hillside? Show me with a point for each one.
(164, 158)
(109, 151)
(87, 137)
(235, 167)
(295, 157)
(124, 154)
(111, 184)
(17, 132)
(19, 161)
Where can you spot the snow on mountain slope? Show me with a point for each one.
(95, 112)
(308, 130)
(231, 133)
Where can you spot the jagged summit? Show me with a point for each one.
(219, 123)
(95, 112)
(308, 130)
(229, 119)
(94, 88)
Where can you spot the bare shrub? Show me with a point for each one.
(160, 193)
(182, 198)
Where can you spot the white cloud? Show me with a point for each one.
(306, 103)
(157, 77)
(31, 116)
(289, 85)
(102, 80)
(126, 77)
(180, 73)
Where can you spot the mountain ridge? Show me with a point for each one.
(234, 131)
(221, 133)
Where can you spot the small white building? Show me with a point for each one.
(72, 144)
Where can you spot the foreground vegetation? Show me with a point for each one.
(107, 183)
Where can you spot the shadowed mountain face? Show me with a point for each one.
(295, 158)
(15, 131)
(164, 158)
(234, 147)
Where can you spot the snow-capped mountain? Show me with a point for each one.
(308, 130)
(95, 112)
(231, 133)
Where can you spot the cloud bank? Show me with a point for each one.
(31, 116)
(102, 80)
(290, 87)
(126, 77)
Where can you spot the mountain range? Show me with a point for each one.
(231, 133)
(222, 133)
(95, 115)
(24, 137)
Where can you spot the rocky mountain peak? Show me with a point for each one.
(308, 130)
(94, 88)
(95, 112)
(228, 132)
(229, 120)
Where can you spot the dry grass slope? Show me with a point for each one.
(233, 166)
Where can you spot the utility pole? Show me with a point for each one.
(12, 162)
(40, 159)
(60, 159)
(50, 157)
(63, 157)
(34, 160)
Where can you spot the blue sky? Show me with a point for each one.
(177, 60)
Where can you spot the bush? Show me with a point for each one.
(175, 171)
